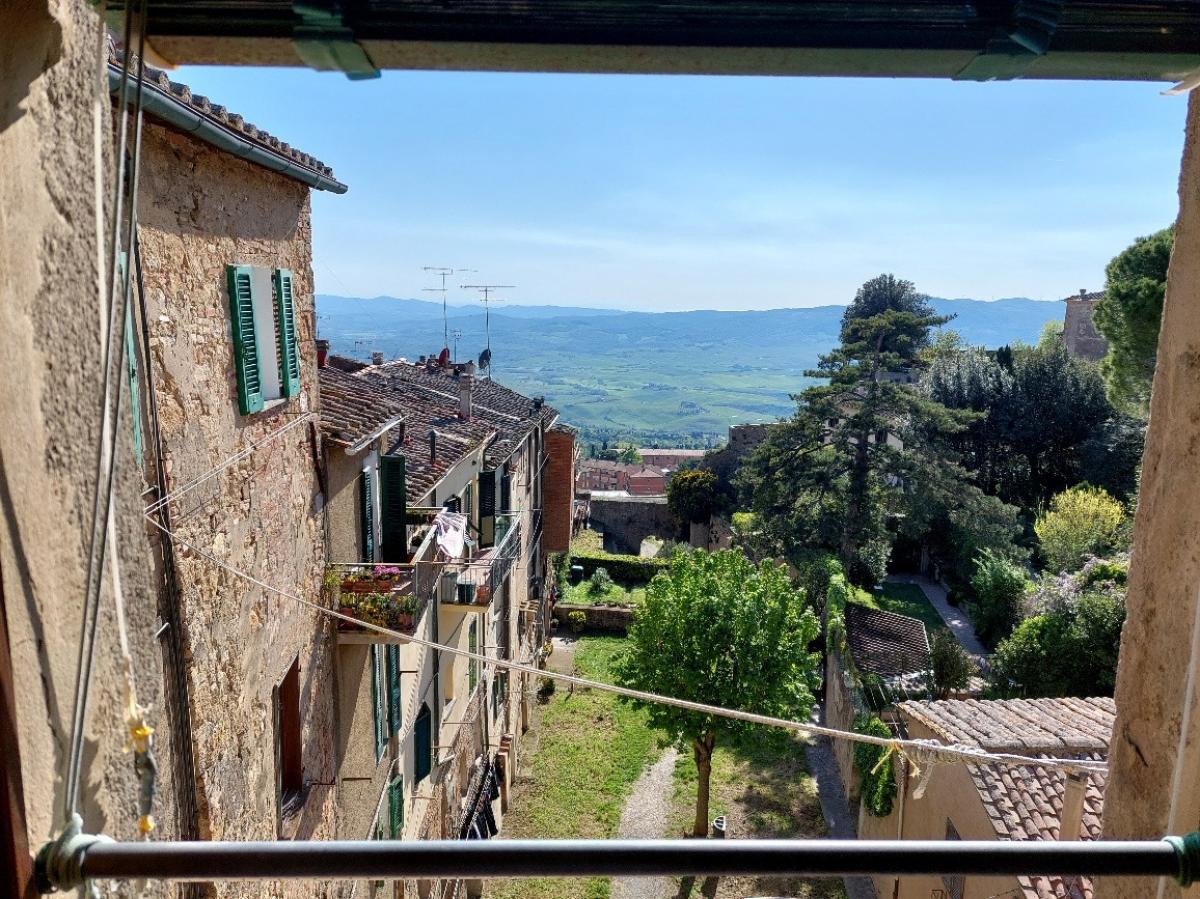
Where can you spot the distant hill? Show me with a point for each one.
(659, 376)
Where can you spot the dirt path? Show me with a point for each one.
(645, 818)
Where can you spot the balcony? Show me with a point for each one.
(474, 583)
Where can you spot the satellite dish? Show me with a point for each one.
(485, 360)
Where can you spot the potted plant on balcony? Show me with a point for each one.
(371, 578)
(402, 612)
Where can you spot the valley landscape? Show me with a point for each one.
(668, 378)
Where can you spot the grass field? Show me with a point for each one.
(903, 599)
(616, 595)
(592, 750)
(765, 791)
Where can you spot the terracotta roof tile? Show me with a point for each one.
(352, 410)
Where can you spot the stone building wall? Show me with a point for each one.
(1154, 762)
(559, 475)
(51, 321)
(627, 521)
(200, 211)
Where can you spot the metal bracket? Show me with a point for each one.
(1014, 47)
(324, 41)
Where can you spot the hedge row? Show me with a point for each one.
(625, 569)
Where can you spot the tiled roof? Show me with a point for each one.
(510, 414)
(646, 471)
(456, 439)
(884, 643)
(181, 94)
(1059, 726)
(1025, 802)
(352, 411)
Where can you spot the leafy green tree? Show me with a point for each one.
(877, 778)
(999, 586)
(887, 293)
(862, 453)
(951, 666)
(1081, 522)
(693, 495)
(1129, 316)
(628, 453)
(738, 637)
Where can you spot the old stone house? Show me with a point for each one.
(225, 414)
(1079, 331)
(993, 802)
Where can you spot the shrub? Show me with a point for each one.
(1100, 571)
(999, 587)
(1068, 652)
(816, 572)
(600, 582)
(576, 621)
(561, 564)
(952, 666)
(1081, 522)
(629, 570)
(877, 779)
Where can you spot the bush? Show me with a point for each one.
(576, 621)
(1068, 652)
(877, 780)
(1081, 522)
(629, 570)
(816, 572)
(952, 666)
(561, 565)
(692, 495)
(999, 587)
(600, 582)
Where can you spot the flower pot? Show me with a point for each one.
(368, 585)
(344, 625)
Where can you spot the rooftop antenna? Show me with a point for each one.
(455, 335)
(486, 290)
(443, 272)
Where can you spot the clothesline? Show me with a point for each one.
(924, 749)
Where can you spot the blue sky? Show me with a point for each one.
(666, 193)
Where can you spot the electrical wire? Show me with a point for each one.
(969, 754)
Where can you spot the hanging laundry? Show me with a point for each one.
(450, 532)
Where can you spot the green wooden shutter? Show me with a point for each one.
(245, 339)
(423, 744)
(368, 515)
(394, 710)
(380, 713)
(289, 350)
(473, 664)
(396, 806)
(487, 494)
(394, 508)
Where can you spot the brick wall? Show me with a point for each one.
(558, 491)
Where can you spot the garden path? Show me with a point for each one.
(956, 619)
(644, 817)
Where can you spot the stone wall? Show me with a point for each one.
(627, 521)
(1081, 336)
(559, 491)
(1154, 761)
(608, 619)
(839, 713)
(200, 211)
(50, 315)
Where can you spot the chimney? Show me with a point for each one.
(432, 446)
(377, 358)
(1082, 292)
(469, 367)
(464, 396)
(322, 353)
(1071, 819)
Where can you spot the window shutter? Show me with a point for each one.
(487, 494)
(423, 744)
(394, 542)
(380, 716)
(368, 515)
(472, 664)
(289, 350)
(395, 712)
(396, 806)
(245, 339)
(506, 493)
(131, 371)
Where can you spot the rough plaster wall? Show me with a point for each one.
(49, 315)
(201, 210)
(1159, 641)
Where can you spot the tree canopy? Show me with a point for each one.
(887, 293)
(738, 637)
(693, 495)
(1129, 316)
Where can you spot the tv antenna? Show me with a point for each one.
(443, 272)
(455, 335)
(486, 290)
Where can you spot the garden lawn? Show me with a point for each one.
(765, 791)
(903, 599)
(615, 595)
(592, 749)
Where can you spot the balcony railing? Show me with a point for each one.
(475, 582)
